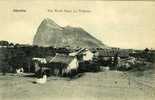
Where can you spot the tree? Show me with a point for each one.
(146, 50)
(4, 43)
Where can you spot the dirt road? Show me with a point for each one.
(110, 85)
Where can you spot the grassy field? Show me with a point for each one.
(109, 85)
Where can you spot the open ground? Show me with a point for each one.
(108, 85)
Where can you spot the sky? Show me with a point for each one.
(124, 24)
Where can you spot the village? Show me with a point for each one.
(67, 62)
(62, 72)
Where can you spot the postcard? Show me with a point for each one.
(77, 50)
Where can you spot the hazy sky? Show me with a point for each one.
(116, 23)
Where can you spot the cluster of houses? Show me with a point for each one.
(82, 59)
(62, 64)
(66, 61)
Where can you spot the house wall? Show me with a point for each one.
(88, 56)
(73, 65)
(36, 65)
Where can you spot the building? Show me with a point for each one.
(88, 55)
(83, 54)
(111, 57)
(38, 62)
(112, 53)
(63, 64)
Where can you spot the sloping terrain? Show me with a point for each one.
(51, 34)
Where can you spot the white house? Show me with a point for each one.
(86, 54)
(73, 65)
(63, 64)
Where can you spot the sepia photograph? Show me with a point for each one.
(77, 50)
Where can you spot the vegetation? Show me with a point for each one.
(13, 56)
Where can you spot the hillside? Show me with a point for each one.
(51, 34)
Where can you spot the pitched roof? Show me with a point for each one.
(79, 51)
(107, 53)
(123, 53)
(49, 58)
(63, 59)
(112, 53)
